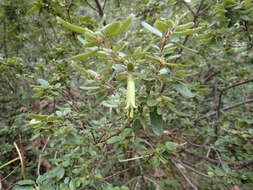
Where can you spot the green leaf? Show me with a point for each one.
(112, 29)
(136, 55)
(72, 185)
(170, 23)
(26, 182)
(119, 46)
(185, 48)
(43, 82)
(189, 31)
(157, 123)
(151, 102)
(173, 57)
(183, 90)
(162, 26)
(151, 29)
(38, 117)
(164, 71)
(32, 10)
(89, 87)
(114, 139)
(176, 111)
(130, 67)
(124, 188)
(61, 172)
(126, 23)
(219, 172)
(171, 146)
(83, 56)
(111, 104)
(72, 27)
(23, 188)
(184, 26)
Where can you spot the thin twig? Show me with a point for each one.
(190, 167)
(195, 17)
(21, 157)
(227, 88)
(100, 9)
(43, 149)
(117, 173)
(91, 6)
(223, 109)
(9, 173)
(8, 163)
(135, 158)
(105, 1)
(189, 8)
(183, 174)
(216, 162)
(198, 11)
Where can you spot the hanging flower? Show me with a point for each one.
(130, 95)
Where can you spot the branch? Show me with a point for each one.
(22, 160)
(100, 9)
(179, 167)
(190, 167)
(91, 6)
(197, 13)
(224, 109)
(216, 162)
(195, 17)
(104, 4)
(224, 90)
(135, 158)
(189, 8)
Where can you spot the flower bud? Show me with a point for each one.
(130, 95)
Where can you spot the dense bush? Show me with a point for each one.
(124, 95)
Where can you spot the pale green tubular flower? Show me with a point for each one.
(130, 95)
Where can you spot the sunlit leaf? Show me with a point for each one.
(151, 29)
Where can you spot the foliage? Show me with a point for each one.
(119, 95)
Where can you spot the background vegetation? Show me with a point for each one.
(126, 94)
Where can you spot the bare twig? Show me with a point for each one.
(22, 161)
(91, 6)
(198, 11)
(223, 109)
(179, 167)
(105, 1)
(135, 158)
(195, 17)
(101, 140)
(190, 167)
(209, 77)
(216, 162)
(40, 156)
(224, 90)
(117, 173)
(188, 7)
(100, 9)
(10, 173)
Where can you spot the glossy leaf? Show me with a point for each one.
(151, 29)
(162, 26)
(112, 29)
(184, 26)
(70, 26)
(126, 23)
(82, 57)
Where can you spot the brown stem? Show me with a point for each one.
(232, 164)
(224, 90)
(223, 109)
(100, 9)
